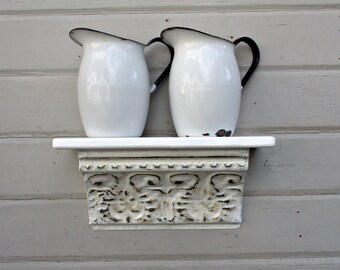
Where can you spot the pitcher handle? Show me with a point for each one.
(256, 57)
(165, 73)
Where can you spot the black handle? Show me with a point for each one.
(165, 73)
(256, 57)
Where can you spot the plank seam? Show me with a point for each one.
(32, 136)
(157, 70)
(173, 10)
(182, 258)
(239, 132)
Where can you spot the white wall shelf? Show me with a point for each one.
(164, 183)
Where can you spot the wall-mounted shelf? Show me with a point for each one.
(164, 183)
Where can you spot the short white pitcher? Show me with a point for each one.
(205, 84)
(113, 84)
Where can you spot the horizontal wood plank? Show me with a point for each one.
(198, 264)
(31, 168)
(296, 100)
(284, 101)
(41, 104)
(290, 226)
(284, 38)
(297, 165)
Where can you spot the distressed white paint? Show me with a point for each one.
(174, 200)
(164, 193)
(191, 190)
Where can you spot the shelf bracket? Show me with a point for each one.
(164, 183)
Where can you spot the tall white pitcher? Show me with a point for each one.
(205, 84)
(113, 84)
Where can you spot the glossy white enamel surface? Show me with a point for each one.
(113, 85)
(205, 85)
(163, 143)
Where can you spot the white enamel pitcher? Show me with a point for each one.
(113, 84)
(205, 84)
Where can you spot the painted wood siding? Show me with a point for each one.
(292, 191)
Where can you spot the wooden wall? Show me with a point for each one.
(292, 197)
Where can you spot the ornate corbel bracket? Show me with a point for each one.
(164, 183)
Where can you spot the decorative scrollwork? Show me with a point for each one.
(163, 198)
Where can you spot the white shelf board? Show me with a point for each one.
(163, 143)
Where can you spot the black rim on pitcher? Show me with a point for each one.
(250, 42)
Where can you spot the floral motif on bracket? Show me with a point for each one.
(151, 198)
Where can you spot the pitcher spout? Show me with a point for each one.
(175, 35)
(172, 35)
(81, 36)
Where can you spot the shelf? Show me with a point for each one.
(163, 143)
(164, 183)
